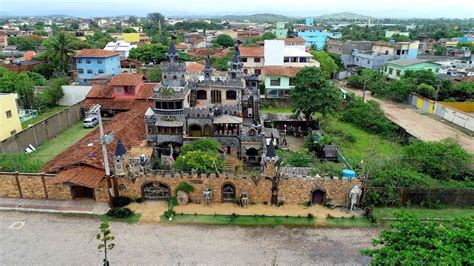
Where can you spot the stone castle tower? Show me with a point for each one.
(172, 72)
(269, 161)
(119, 159)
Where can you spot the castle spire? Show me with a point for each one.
(208, 69)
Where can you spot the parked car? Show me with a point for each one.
(90, 122)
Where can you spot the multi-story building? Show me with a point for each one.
(281, 31)
(91, 63)
(224, 109)
(9, 117)
(316, 36)
(283, 59)
(253, 60)
(396, 68)
(399, 50)
(121, 47)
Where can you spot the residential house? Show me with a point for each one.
(282, 62)
(426, 44)
(253, 60)
(182, 47)
(194, 71)
(121, 47)
(9, 117)
(345, 49)
(133, 37)
(390, 33)
(309, 21)
(247, 34)
(397, 49)
(280, 31)
(3, 40)
(129, 65)
(369, 59)
(195, 41)
(316, 36)
(91, 63)
(396, 68)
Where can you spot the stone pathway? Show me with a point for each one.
(150, 210)
(54, 206)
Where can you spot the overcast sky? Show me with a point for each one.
(375, 8)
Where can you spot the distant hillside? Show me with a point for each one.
(343, 15)
(258, 18)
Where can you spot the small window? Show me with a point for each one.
(246, 71)
(368, 61)
(99, 61)
(286, 60)
(89, 71)
(244, 59)
(101, 71)
(79, 61)
(292, 81)
(80, 71)
(201, 95)
(231, 95)
(8, 113)
(257, 59)
(175, 77)
(13, 132)
(88, 61)
(398, 73)
(119, 90)
(390, 71)
(274, 81)
(258, 71)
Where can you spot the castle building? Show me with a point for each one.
(224, 109)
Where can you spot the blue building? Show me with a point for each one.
(316, 36)
(93, 62)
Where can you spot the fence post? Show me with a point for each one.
(44, 186)
(18, 184)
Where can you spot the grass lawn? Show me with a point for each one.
(348, 222)
(448, 213)
(42, 116)
(365, 146)
(129, 220)
(241, 220)
(271, 109)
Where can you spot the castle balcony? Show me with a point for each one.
(161, 138)
(169, 111)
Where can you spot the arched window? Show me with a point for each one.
(231, 95)
(201, 95)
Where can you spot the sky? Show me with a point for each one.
(302, 8)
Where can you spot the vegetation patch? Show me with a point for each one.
(351, 222)
(241, 220)
(422, 213)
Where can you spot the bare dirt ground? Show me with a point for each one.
(49, 239)
(421, 126)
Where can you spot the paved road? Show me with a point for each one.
(421, 126)
(51, 239)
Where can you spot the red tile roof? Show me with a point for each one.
(128, 126)
(257, 51)
(100, 91)
(181, 46)
(293, 40)
(204, 52)
(126, 79)
(84, 176)
(103, 95)
(281, 71)
(194, 67)
(95, 53)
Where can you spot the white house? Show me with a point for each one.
(122, 47)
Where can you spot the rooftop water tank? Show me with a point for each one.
(348, 174)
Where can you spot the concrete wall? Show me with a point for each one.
(274, 52)
(73, 94)
(43, 130)
(9, 125)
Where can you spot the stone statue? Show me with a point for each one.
(244, 199)
(354, 197)
(207, 196)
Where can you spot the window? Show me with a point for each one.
(89, 71)
(303, 59)
(357, 59)
(390, 71)
(398, 73)
(99, 61)
(258, 71)
(246, 71)
(257, 59)
(286, 60)
(175, 77)
(80, 71)
(119, 90)
(88, 61)
(13, 132)
(101, 71)
(274, 81)
(368, 61)
(130, 90)
(201, 95)
(292, 81)
(244, 59)
(231, 95)
(216, 96)
(9, 113)
(79, 61)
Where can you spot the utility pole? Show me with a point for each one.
(104, 139)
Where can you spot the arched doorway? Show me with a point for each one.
(155, 191)
(195, 131)
(206, 130)
(252, 155)
(318, 196)
(228, 192)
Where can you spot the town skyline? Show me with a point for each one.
(186, 8)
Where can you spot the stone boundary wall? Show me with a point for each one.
(43, 130)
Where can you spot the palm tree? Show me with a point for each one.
(60, 48)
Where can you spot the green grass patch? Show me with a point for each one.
(361, 145)
(447, 213)
(271, 109)
(129, 220)
(241, 220)
(348, 222)
(45, 152)
(43, 115)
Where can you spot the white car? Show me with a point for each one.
(90, 122)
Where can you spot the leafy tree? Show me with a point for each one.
(201, 155)
(25, 43)
(21, 84)
(268, 35)
(224, 40)
(129, 30)
(52, 93)
(439, 50)
(314, 93)
(38, 79)
(98, 40)
(426, 90)
(461, 91)
(59, 50)
(147, 53)
(154, 75)
(156, 18)
(299, 158)
(328, 66)
(204, 145)
(105, 238)
(328, 169)
(412, 241)
(442, 160)
(185, 187)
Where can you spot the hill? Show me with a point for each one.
(343, 16)
(258, 18)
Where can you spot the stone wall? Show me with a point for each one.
(31, 186)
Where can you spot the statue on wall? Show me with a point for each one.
(244, 199)
(354, 197)
(207, 196)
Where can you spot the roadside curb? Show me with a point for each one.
(48, 210)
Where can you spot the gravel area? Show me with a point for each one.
(51, 239)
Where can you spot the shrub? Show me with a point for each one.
(185, 187)
(120, 212)
(310, 216)
(121, 201)
(328, 169)
(301, 158)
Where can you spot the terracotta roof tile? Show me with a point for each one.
(257, 51)
(109, 104)
(95, 53)
(126, 79)
(194, 67)
(182, 46)
(100, 91)
(84, 176)
(281, 71)
(146, 91)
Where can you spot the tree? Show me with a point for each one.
(60, 49)
(25, 43)
(314, 93)
(52, 93)
(201, 155)
(327, 64)
(439, 50)
(298, 158)
(153, 74)
(105, 238)
(443, 160)
(147, 53)
(268, 35)
(224, 40)
(412, 241)
(156, 18)
(98, 40)
(426, 90)
(25, 87)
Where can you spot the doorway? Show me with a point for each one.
(318, 196)
(81, 192)
(228, 193)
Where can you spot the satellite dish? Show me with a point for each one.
(109, 138)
